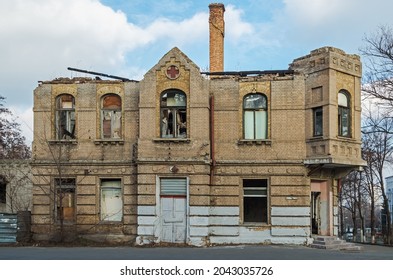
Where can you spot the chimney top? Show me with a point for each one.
(217, 5)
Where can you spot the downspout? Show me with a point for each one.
(212, 151)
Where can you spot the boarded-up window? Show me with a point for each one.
(173, 114)
(111, 117)
(65, 199)
(255, 116)
(255, 201)
(111, 200)
(65, 117)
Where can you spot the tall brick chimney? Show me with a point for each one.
(216, 40)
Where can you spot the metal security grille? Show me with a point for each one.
(173, 187)
(8, 228)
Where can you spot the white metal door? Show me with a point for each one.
(173, 210)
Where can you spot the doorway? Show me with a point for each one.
(173, 212)
(321, 208)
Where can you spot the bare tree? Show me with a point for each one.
(12, 142)
(378, 151)
(371, 181)
(354, 201)
(378, 55)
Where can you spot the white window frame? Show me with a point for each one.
(109, 188)
(255, 118)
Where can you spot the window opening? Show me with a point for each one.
(111, 200)
(111, 116)
(65, 117)
(65, 199)
(3, 190)
(255, 200)
(255, 116)
(173, 114)
(344, 121)
(318, 121)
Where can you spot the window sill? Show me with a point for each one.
(255, 224)
(64, 142)
(172, 140)
(267, 142)
(316, 138)
(109, 142)
(348, 138)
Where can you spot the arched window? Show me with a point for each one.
(344, 114)
(255, 116)
(173, 114)
(111, 116)
(65, 117)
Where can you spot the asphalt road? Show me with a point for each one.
(265, 252)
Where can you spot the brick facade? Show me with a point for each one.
(187, 157)
(293, 162)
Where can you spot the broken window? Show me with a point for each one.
(111, 116)
(173, 114)
(3, 190)
(344, 115)
(318, 121)
(111, 200)
(255, 200)
(255, 116)
(65, 199)
(65, 117)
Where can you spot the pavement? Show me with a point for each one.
(243, 252)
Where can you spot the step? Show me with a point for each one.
(333, 243)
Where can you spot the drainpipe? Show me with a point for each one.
(212, 151)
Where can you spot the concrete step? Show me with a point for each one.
(333, 243)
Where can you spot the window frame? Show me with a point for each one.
(254, 110)
(67, 185)
(342, 111)
(263, 190)
(69, 114)
(317, 120)
(118, 187)
(174, 128)
(113, 113)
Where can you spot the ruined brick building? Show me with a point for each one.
(198, 158)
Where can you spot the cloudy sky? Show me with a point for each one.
(41, 38)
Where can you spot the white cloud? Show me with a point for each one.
(235, 27)
(180, 33)
(333, 22)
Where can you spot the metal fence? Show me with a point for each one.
(8, 228)
(15, 227)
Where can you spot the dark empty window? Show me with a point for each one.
(173, 114)
(255, 201)
(65, 117)
(318, 121)
(3, 190)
